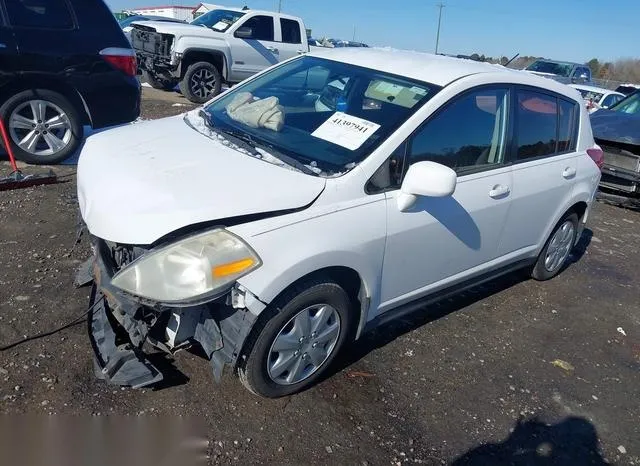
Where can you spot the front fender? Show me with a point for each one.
(353, 237)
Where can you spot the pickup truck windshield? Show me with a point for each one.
(218, 20)
(324, 114)
(542, 66)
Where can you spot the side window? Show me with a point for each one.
(261, 27)
(467, 135)
(610, 100)
(41, 14)
(567, 126)
(290, 31)
(536, 124)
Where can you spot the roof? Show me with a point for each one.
(435, 69)
(163, 7)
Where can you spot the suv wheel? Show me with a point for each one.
(296, 346)
(555, 254)
(43, 126)
(201, 82)
(158, 82)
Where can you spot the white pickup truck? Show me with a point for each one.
(223, 45)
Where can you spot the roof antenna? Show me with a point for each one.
(245, 8)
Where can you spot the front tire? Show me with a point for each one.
(42, 125)
(158, 82)
(201, 82)
(293, 348)
(555, 255)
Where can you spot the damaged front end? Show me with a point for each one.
(120, 325)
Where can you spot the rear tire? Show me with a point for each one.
(160, 83)
(201, 82)
(556, 252)
(42, 125)
(273, 372)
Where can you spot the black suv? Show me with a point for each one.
(63, 64)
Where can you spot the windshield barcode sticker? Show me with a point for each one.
(346, 130)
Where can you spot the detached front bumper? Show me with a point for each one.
(119, 327)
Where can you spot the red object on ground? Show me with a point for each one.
(16, 179)
(5, 139)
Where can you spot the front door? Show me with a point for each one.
(257, 52)
(440, 240)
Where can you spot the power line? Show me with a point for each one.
(440, 6)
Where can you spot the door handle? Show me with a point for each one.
(499, 191)
(300, 52)
(568, 173)
(272, 49)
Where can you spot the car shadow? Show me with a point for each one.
(581, 247)
(172, 377)
(390, 331)
(573, 441)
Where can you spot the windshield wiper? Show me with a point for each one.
(231, 136)
(245, 141)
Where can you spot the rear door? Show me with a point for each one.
(43, 30)
(290, 38)
(257, 52)
(544, 167)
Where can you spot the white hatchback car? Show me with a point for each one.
(321, 198)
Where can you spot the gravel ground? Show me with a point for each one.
(516, 372)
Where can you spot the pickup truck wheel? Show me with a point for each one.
(42, 125)
(159, 83)
(201, 82)
(555, 254)
(295, 345)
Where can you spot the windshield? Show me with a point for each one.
(218, 20)
(326, 115)
(560, 69)
(630, 104)
(591, 95)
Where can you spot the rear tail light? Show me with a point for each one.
(596, 155)
(121, 59)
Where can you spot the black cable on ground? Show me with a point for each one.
(77, 320)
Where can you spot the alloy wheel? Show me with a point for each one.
(203, 83)
(304, 344)
(40, 127)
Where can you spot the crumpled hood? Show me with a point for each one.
(139, 182)
(610, 125)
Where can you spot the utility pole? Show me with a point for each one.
(440, 6)
(354, 32)
(279, 6)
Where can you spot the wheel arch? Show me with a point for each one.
(27, 82)
(348, 278)
(580, 205)
(194, 55)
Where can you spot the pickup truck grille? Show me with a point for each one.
(619, 158)
(146, 39)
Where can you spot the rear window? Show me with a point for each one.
(545, 125)
(290, 31)
(40, 14)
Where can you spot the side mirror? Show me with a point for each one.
(426, 179)
(244, 32)
(584, 77)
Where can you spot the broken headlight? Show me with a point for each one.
(190, 271)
